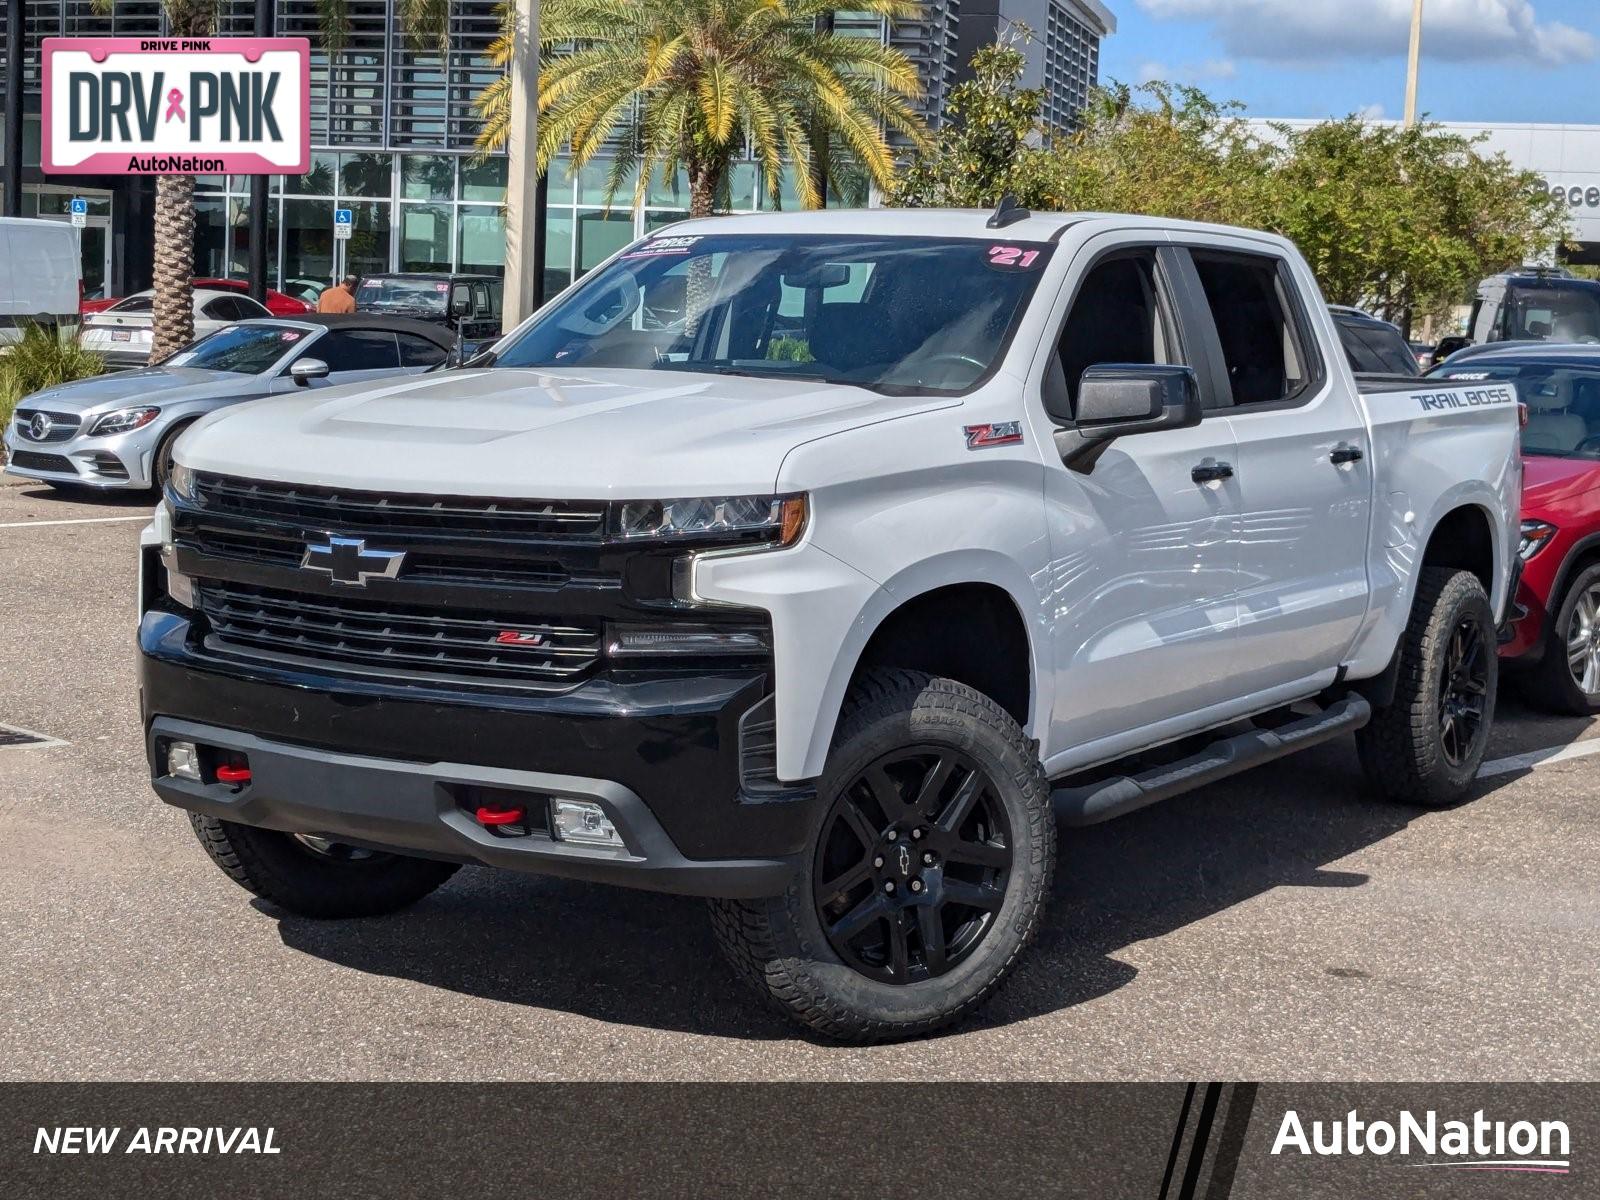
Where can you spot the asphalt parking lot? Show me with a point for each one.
(1280, 926)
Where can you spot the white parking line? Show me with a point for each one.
(73, 521)
(35, 741)
(1539, 758)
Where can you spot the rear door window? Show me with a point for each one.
(1265, 346)
(357, 350)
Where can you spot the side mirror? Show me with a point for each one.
(1120, 399)
(1448, 346)
(460, 301)
(304, 370)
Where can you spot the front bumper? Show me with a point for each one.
(117, 461)
(401, 768)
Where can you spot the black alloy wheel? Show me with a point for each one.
(912, 865)
(1464, 691)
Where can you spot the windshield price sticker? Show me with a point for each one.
(288, 335)
(679, 244)
(1014, 258)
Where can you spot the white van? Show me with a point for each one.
(39, 276)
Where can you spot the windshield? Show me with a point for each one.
(894, 314)
(1563, 403)
(394, 295)
(1554, 314)
(242, 349)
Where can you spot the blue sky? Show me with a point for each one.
(1482, 60)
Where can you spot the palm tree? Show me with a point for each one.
(670, 84)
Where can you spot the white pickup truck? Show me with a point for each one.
(822, 564)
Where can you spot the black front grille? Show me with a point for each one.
(262, 622)
(63, 426)
(438, 563)
(342, 509)
(29, 461)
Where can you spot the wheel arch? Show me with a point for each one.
(988, 588)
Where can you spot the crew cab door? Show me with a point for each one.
(1303, 476)
(1143, 571)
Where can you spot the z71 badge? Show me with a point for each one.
(1005, 433)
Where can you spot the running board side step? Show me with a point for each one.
(1116, 797)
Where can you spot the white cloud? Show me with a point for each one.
(1321, 30)
(1371, 112)
(1201, 72)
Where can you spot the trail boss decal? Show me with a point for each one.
(983, 437)
(176, 106)
(1472, 398)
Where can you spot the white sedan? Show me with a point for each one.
(121, 334)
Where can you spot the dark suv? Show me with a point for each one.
(468, 304)
(1536, 304)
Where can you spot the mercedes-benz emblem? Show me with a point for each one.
(39, 427)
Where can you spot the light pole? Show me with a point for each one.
(1413, 62)
(524, 218)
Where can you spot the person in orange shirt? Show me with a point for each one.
(340, 298)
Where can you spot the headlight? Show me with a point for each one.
(124, 420)
(1536, 536)
(781, 518)
(181, 480)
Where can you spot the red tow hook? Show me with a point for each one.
(497, 814)
(227, 773)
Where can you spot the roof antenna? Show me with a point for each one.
(1007, 212)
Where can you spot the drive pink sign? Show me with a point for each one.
(176, 106)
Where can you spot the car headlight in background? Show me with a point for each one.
(1536, 536)
(782, 519)
(124, 420)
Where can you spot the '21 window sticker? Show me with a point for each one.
(1014, 258)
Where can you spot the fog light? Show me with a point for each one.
(583, 823)
(183, 760)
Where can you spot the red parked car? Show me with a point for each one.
(1555, 642)
(278, 303)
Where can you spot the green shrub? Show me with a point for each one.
(790, 349)
(42, 359)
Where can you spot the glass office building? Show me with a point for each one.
(392, 131)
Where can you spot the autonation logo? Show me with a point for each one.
(1476, 1145)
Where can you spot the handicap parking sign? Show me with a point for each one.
(344, 220)
(79, 209)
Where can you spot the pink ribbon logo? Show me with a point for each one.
(175, 105)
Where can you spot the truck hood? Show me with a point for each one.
(537, 433)
(153, 385)
(1548, 479)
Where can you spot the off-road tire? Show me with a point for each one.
(1550, 685)
(281, 870)
(778, 945)
(1401, 748)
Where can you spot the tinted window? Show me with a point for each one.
(1557, 314)
(934, 315)
(1376, 349)
(223, 308)
(357, 350)
(1115, 318)
(250, 309)
(1563, 403)
(419, 352)
(1261, 342)
(133, 304)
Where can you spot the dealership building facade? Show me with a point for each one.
(392, 131)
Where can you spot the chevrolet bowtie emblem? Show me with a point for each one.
(350, 562)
